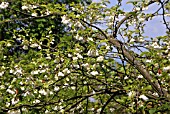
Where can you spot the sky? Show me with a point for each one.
(153, 27)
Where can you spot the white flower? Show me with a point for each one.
(141, 19)
(140, 76)
(7, 105)
(35, 72)
(156, 46)
(36, 101)
(8, 45)
(79, 55)
(145, 8)
(60, 74)
(108, 47)
(14, 80)
(132, 40)
(76, 66)
(34, 6)
(90, 39)
(85, 65)
(47, 112)
(25, 47)
(2, 87)
(126, 77)
(94, 73)
(137, 9)
(22, 88)
(19, 71)
(99, 110)
(66, 71)
(131, 94)
(166, 68)
(14, 101)
(34, 14)
(43, 92)
(56, 88)
(143, 97)
(79, 37)
(4, 5)
(48, 56)
(148, 61)
(24, 7)
(109, 24)
(100, 58)
(111, 17)
(2, 73)
(73, 87)
(42, 71)
(69, 55)
(34, 45)
(11, 71)
(103, 6)
(10, 91)
(75, 58)
(78, 24)
(64, 20)
(92, 53)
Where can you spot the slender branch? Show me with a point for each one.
(108, 101)
(131, 59)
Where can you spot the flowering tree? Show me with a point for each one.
(81, 72)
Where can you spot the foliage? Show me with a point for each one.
(58, 58)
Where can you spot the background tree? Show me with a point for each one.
(72, 67)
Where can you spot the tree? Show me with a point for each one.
(78, 74)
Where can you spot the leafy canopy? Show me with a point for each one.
(60, 58)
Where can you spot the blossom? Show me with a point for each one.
(14, 101)
(34, 14)
(4, 5)
(48, 56)
(140, 76)
(35, 72)
(89, 39)
(43, 92)
(36, 101)
(126, 77)
(131, 93)
(92, 53)
(65, 20)
(69, 55)
(34, 45)
(166, 68)
(79, 55)
(19, 71)
(156, 46)
(100, 58)
(94, 73)
(85, 65)
(10, 91)
(143, 97)
(25, 47)
(66, 70)
(2, 73)
(24, 7)
(148, 61)
(42, 71)
(79, 37)
(75, 58)
(60, 74)
(73, 87)
(132, 40)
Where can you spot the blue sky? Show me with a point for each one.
(153, 27)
